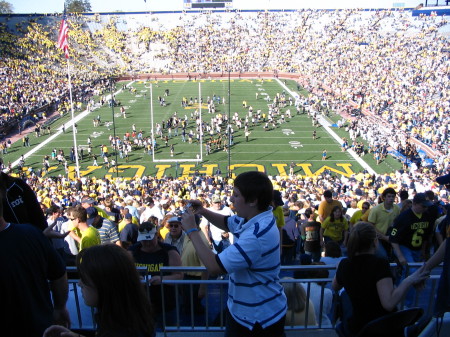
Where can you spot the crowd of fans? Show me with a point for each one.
(168, 191)
(29, 60)
(387, 62)
(132, 204)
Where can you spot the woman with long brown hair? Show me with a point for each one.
(110, 282)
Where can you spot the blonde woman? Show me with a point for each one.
(296, 304)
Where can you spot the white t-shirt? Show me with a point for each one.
(71, 244)
(216, 233)
(148, 212)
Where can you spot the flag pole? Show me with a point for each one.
(200, 129)
(74, 129)
(63, 44)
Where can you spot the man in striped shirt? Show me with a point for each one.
(106, 229)
(256, 301)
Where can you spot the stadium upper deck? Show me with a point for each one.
(390, 62)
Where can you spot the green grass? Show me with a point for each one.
(387, 165)
(269, 151)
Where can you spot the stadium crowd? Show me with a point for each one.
(388, 62)
(120, 210)
(298, 192)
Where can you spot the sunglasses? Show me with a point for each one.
(145, 229)
(174, 225)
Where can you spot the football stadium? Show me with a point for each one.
(121, 124)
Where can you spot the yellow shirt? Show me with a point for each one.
(90, 237)
(123, 223)
(335, 229)
(325, 208)
(383, 218)
(356, 217)
(163, 232)
(189, 257)
(279, 216)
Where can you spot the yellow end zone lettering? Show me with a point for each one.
(258, 167)
(347, 171)
(187, 169)
(127, 171)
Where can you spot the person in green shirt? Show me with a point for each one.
(382, 216)
(85, 235)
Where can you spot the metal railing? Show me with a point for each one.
(213, 318)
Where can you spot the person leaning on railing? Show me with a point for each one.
(367, 279)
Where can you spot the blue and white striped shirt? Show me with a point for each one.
(253, 262)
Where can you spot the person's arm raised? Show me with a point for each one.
(204, 252)
(216, 219)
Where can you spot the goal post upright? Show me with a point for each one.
(200, 129)
(153, 136)
(152, 122)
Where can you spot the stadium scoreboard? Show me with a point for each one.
(193, 4)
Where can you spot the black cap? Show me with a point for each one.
(91, 212)
(421, 198)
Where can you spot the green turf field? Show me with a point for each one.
(270, 151)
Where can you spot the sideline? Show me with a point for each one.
(326, 126)
(68, 125)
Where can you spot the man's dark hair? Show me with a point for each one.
(403, 194)
(255, 186)
(332, 249)
(387, 191)
(328, 194)
(53, 209)
(149, 201)
(313, 272)
(430, 195)
(308, 212)
(78, 212)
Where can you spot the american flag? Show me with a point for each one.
(63, 42)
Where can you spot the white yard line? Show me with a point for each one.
(68, 126)
(326, 126)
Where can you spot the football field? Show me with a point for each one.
(271, 150)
